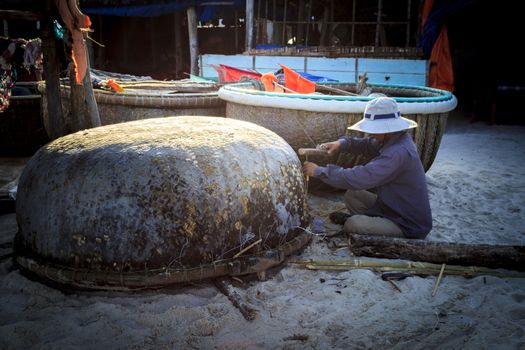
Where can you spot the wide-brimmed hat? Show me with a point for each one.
(382, 116)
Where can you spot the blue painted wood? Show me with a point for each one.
(342, 69)
(343, 77)
(383, 71)
(374, 65)
(395, 78)
(237, 61)
(265, 64)
(331, 64)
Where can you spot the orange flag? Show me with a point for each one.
(268, 79)
(297, 83)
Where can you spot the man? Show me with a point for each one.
(387, 196)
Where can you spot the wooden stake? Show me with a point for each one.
(225, 288)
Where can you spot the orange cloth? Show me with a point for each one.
(75, 20)
(232, 74)
(297, 83)
(268, 80)
(427, 6)
(441, 72)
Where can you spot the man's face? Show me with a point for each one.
(379, 137)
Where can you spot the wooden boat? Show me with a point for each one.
(309, 120)
(153, 202)
(150, 98)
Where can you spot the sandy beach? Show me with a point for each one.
(477, 193)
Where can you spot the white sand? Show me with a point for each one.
(477, 189)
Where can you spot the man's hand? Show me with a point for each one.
(309, 168)
(331, 147)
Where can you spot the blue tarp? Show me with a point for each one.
(159, 9)
(311, 77)
(440, 10)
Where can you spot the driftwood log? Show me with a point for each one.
(494, 256)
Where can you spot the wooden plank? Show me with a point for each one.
(493, 256)
(15, 15)
(376, 65)
(265, 64)
(331, 64)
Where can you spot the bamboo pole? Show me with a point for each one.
(413, 267)
(325, 88)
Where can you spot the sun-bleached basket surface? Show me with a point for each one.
(160, 201)
(309, 120)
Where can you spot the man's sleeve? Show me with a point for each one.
(377, 172)
(368, 146)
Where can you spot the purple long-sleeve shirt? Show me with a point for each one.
(395, 174)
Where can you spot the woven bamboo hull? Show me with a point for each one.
(117, 108)
(308, 129)
(303, 124)
(160, 201)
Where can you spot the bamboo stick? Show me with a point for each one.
(413, 267)
(325, 88)
(247, 248)
(438, 280)
(285, 88)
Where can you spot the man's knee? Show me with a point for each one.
(358, 202)
(363, 224)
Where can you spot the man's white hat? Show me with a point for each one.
(382, 116)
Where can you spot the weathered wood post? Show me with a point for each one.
(249, 25)
(84, 109)
(57, 125)
(193, 40)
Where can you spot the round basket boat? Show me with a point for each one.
(309, 120)
(148, 99)
(154, 202)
